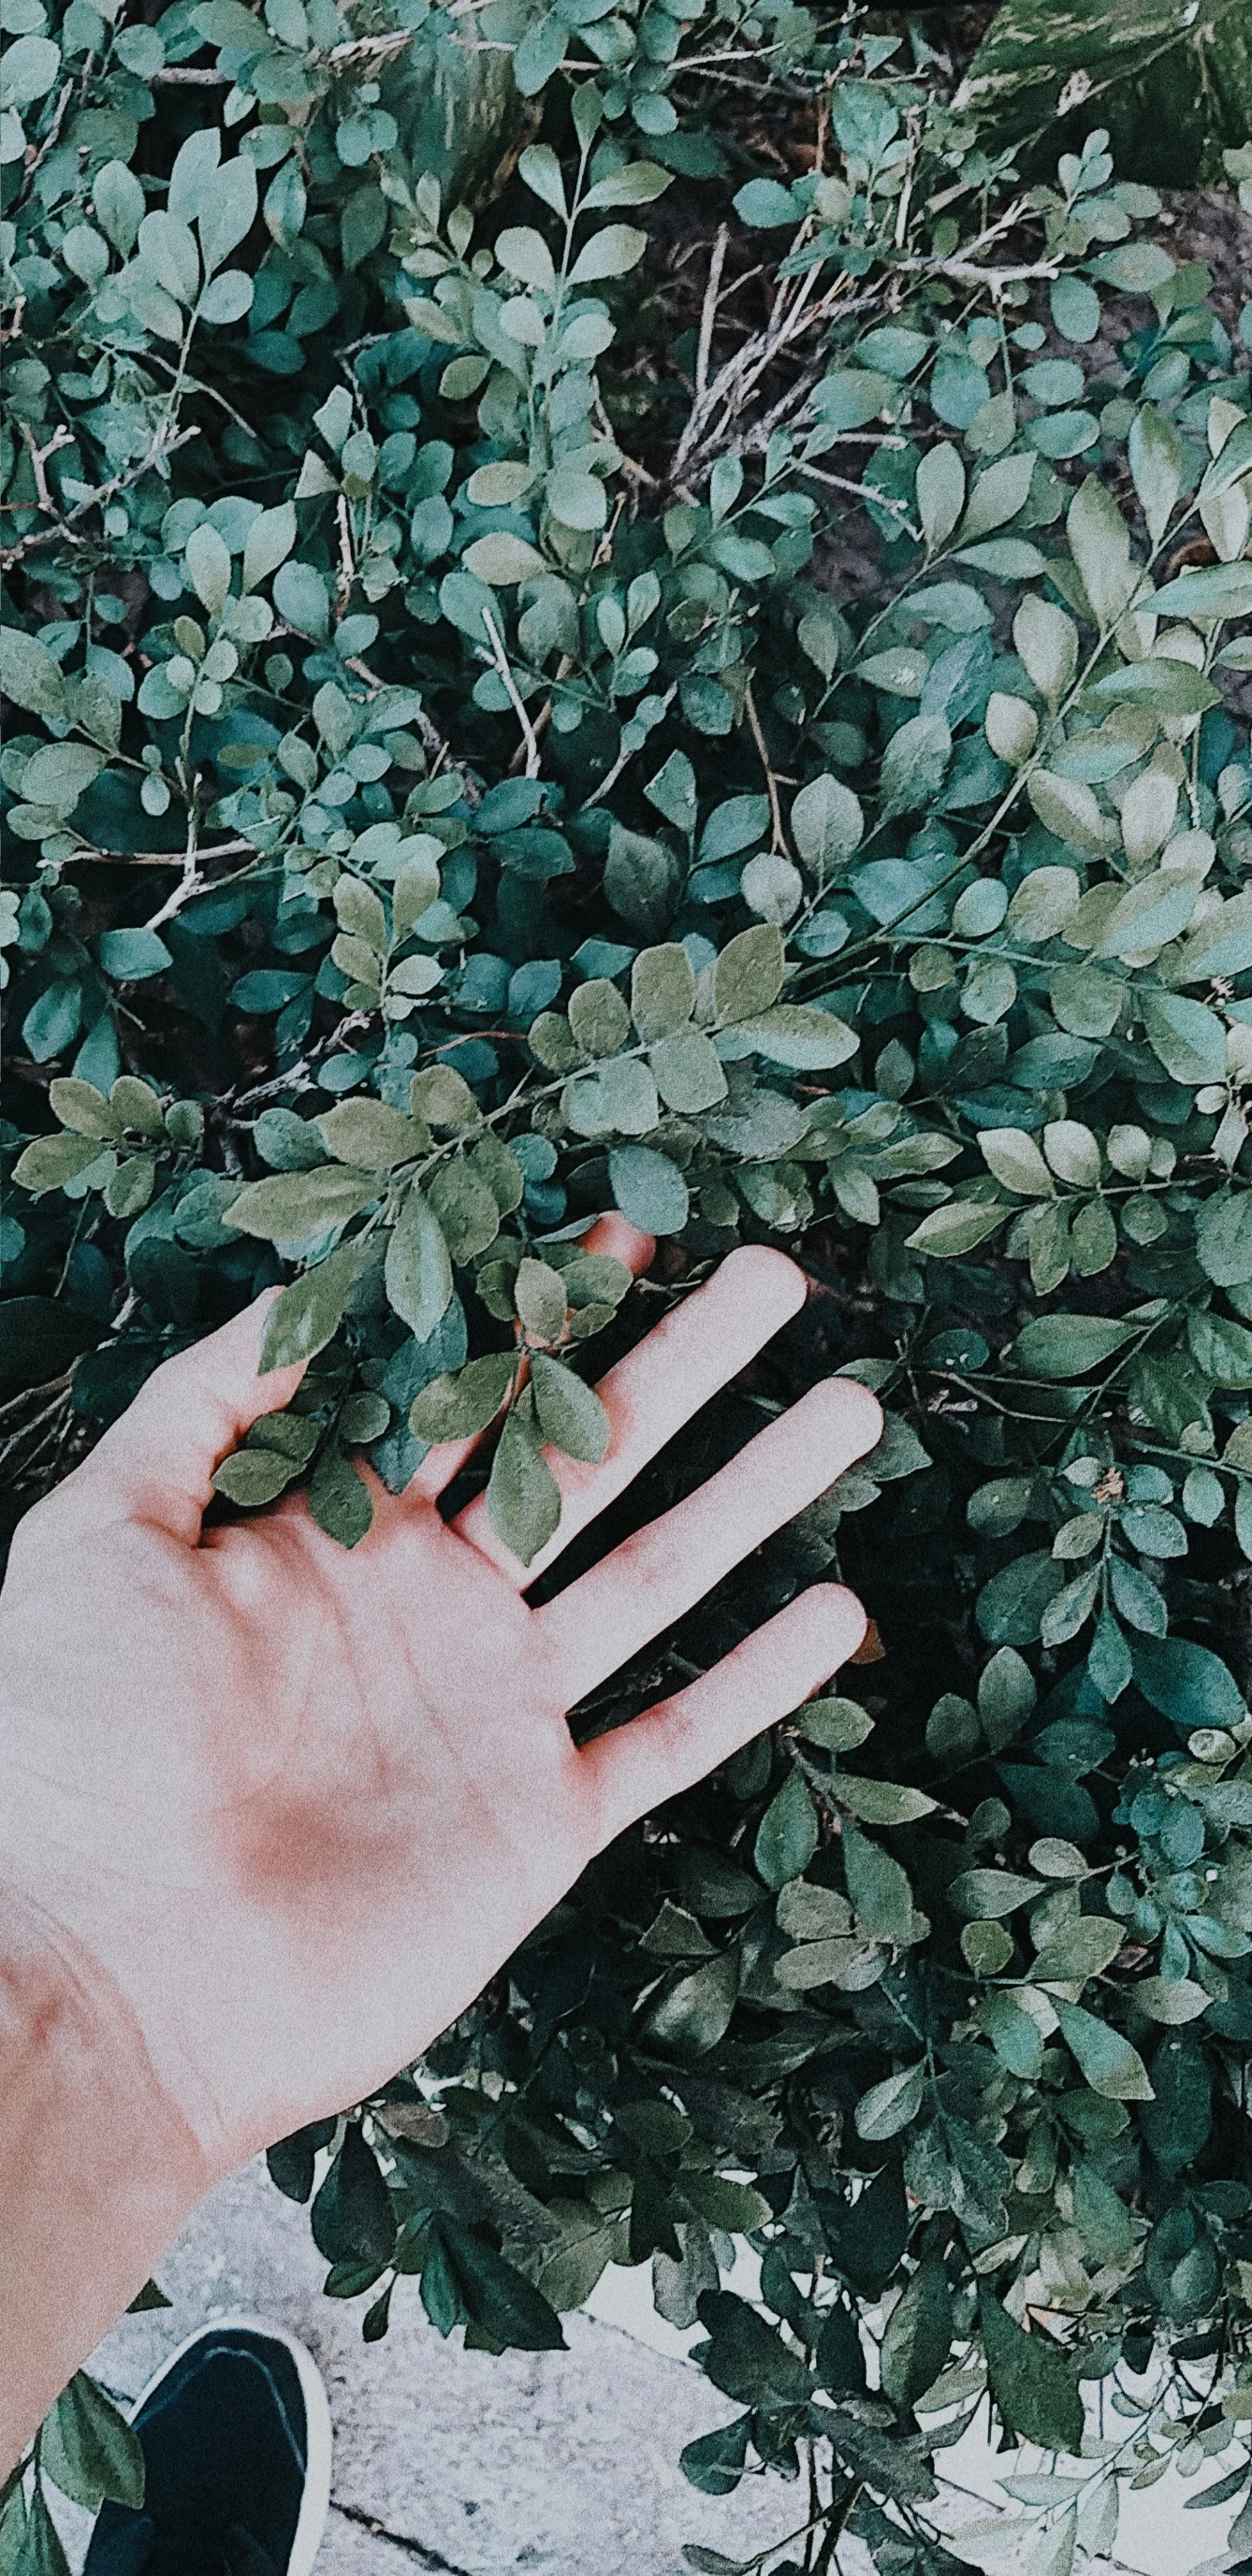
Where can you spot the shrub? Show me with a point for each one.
(436, 824)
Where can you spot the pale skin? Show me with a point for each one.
(273, 1814)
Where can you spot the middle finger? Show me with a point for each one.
(648, 1582)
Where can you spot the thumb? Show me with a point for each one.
(160, 1457)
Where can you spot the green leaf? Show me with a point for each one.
(1154, 450)
(1223, 1238)
(879, 1889)
(888, 2107)
(88, 2450)
(838, 1724)
(1215, 590)
(827, 824)
(1165, 686)
(1066, 1346)
(570, 1414)
(57, 775)
(1099, 541)
(1013, 2034)
(1029, 2380)
(459, 1407)
(1111, 2066)
(804, 1040)
(662, 991)
(367, 1133)
(1079, 1950)
(523, 1496)
(787, 1834)
(497, 2297)
(984, 1894)
(1172, 2000)
(29, 675)
(747, 2359)
(955, 1228)
(940, 491)
(1178, 2122)
(748, 976)
(352, 2217)
(1188, 1038)
(1006, 1696)
(253, 1477)
(879, 1802)
(765, 205)
(714, 2464)
(918, 2337)
(307, 1315)
(500, 560)
(207, 561)
(339, 1499)
(693, 2014)
(417, 1271)
(609, 253)
(297, 1205)
(641, 880)
(52, 1160)
(649, 1189)
(914, 764)
(1187, 1683)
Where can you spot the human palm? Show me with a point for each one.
(295, 1805)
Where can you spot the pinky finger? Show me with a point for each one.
(682, 1739)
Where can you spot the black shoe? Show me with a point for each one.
(235, 2430)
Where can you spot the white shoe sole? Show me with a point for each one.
(315, 2504)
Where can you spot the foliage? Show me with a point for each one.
(1173, 84)
(435, 824)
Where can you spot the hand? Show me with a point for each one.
(292, 1807)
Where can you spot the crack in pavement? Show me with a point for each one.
(432, 2560)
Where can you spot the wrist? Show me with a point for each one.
(97, 2168)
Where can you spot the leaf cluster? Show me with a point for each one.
(434, 826)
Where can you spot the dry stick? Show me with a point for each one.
(61, 437)
(708, 312)
(50, 138)
(501, 661)
(155, 858)
(192, 881)
(161, 446)
(201, 80)
(544, 717)
(347, 568)
(778, 840)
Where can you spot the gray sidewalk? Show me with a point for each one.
(562, 2464)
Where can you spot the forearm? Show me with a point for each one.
(97, 2172)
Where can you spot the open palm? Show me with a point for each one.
(297, 1806)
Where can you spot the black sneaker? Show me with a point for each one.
(235, 2430)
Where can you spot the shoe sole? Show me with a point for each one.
(315, 2503)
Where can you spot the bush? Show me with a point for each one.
(436, 824)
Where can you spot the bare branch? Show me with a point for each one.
(501, 661)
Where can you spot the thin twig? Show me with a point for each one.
(61, 437)
(347, 568)
(544, 717)
(51, 137)
(501, 661)
(162, 446)
(612, 775)
(708, 310)
(192, 882)
(778, 837)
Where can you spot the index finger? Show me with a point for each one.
(682, 1362)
